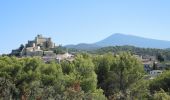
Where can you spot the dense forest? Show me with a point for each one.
(163, 53)
(135, 50)
(110, 76)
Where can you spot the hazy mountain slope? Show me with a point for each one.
(83, 46)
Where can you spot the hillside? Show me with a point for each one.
(84, 46)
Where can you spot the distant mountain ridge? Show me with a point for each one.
(119, 39)
(83, 46)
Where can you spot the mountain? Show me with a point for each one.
(83, 46)
(119, 39)
(122, 39)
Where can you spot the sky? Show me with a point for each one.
(81, 21)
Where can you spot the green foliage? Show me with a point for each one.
(85, 68)
(140, 90)
(160, 57)
(161, 82)
(102, 68)
(59, 50)
(161, 54)
(116, 72)
(161, 95)
(127, 68)
(118, 76)
(31, 78)
(67, 67)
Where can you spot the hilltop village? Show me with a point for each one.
(42, 47)
(46, 49)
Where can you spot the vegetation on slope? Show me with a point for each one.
(88, 77)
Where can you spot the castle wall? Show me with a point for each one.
(34, 53)
(41, 40)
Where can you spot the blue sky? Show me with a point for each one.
(77, 21)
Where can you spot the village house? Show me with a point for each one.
(65, 56)
(155, 73)
(149, 62)
(58, 58)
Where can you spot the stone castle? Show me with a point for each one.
(38, 47)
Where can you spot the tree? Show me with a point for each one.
(67, 67)
(85, 68)
(102, 67)
(161, 82)
(160, 57)
(21, 47)
(155, 67)
(125, 70)
(59, 50)
(87, 77)
(161, 95)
